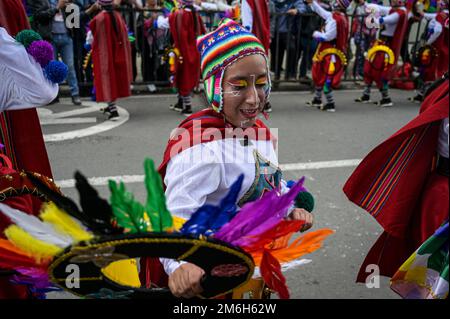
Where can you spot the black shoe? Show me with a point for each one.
(178, 106)
(385, 102)
(76, 100)
(329, 107)
(186, 111)
(315, 103)
(55, 100)
(418, 98)
(363, 99)
(114, 116)
(268, 108)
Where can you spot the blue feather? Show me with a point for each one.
(209, 218)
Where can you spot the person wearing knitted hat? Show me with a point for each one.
(210, 149)
(383, 54)
(329, 59)
(111, 56)
(185, 26)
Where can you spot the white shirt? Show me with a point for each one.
(443, 138)
(330, 31)
(23, 83)
(204, 173)
(246, 15)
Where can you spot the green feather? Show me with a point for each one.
(156, 208)
(128, 212)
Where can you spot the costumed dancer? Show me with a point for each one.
(330, 57)
(403, 184)
(433, 55)
(29, 79)
(111, 57)
(212, 148)
(20, 129)
(383, 54)
(185, 26)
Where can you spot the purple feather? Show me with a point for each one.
(41, 51)
(35, 277)
(257, 217)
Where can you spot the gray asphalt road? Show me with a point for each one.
(305, 135)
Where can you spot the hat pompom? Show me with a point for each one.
(26, 37)
(41, 51)
(305, 200)
(56, 71)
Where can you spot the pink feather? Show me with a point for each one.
(257, 217)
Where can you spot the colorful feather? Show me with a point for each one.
(160, 217)
(209, 218)
(35, 227)
(304, 244)
(272, 275)
(13, 258)
(96, 207)
(128, 212)
(259, 216)
(62, 222)
(35, 248)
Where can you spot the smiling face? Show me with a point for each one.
(244, 86)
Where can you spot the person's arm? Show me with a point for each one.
(43, 12)
(435, 30)
(23, 84)
(429, 16)
(390, 19)
(188, 183)
(301, 6)
(247, 15)
(329, 33)
(317, 8)
(162, 23)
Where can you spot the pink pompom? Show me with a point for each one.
(41, 51)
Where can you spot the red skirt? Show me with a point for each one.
(320, 69)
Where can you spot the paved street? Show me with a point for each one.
(306, 135)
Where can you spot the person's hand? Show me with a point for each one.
(292, 12)
(309, 1)
(198, 2)
(61, 4)
(185, 281)
(304, 215)
(93, 8)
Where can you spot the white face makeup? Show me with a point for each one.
(245, 87)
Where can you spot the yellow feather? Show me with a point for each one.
(33, 247)
(63, 223)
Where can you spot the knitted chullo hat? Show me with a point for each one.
(221, 48)
(344, 4)
(186, 2)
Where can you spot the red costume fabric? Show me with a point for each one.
(20, 132)
(376, 71)
(397, 184)
(261, 21)
(185, 26)
(111, 55)
(320, 69)
(441, 45)
(152, 272)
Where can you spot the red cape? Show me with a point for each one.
(390, 180)
(261, 21)
(193, 127)
(111, 55)
(441, 45)
(184, 33)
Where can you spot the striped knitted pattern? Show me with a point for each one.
(223, 46)
(379, 192)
